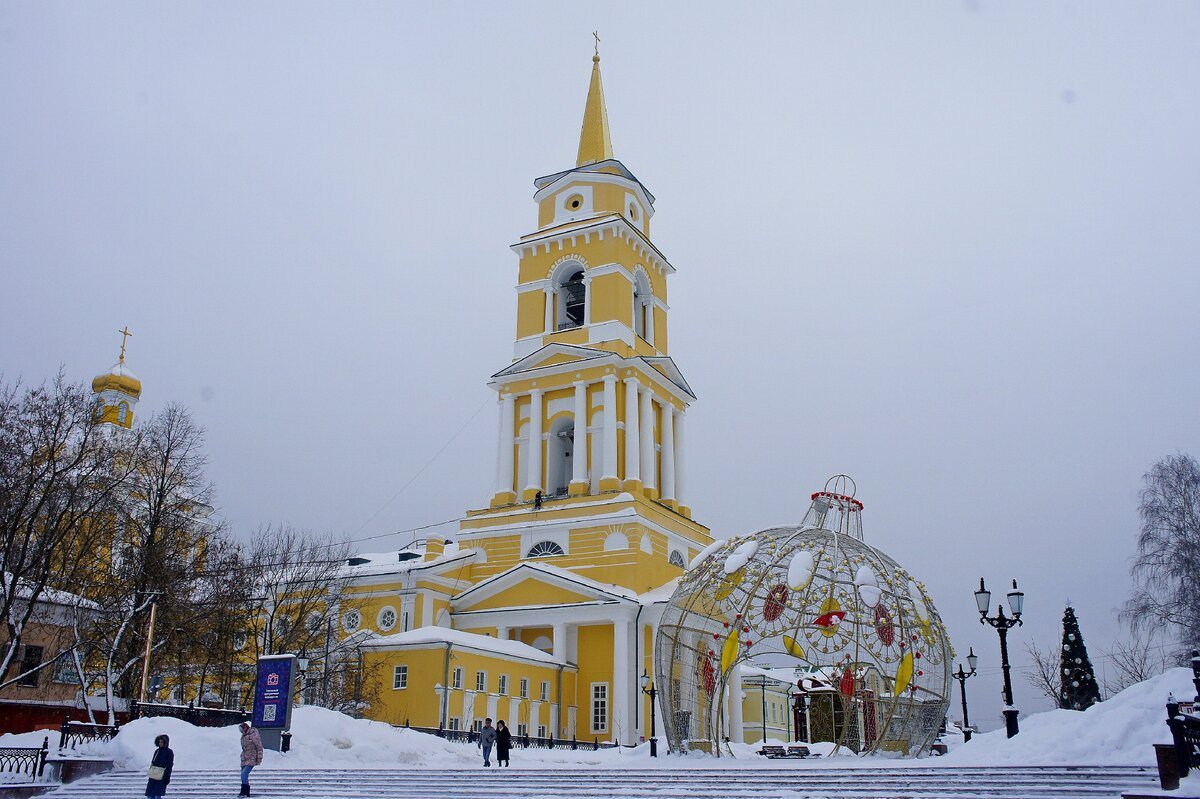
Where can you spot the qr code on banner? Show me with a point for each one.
(269, 712)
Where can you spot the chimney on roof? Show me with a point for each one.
(434, 547)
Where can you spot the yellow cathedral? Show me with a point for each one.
(543, 612)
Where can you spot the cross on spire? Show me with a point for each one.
(125, 334)
(596, 36)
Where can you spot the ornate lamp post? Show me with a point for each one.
(962, 677)
(652, 692)
(1002, 623)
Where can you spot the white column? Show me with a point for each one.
(649, 476)
(560, 642)
(549, 310)
(610, 428)
(504, 473)
(579, 458)
(620, 723)
(587, 300)
(502, 633)
(534, 481)
(632, 440)
(668, 451)
(736, 727)
(680, 461)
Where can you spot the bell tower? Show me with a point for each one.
(592, 409)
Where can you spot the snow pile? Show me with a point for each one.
(1120, 731)
(320, 739)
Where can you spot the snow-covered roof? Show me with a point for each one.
(661, 594)
(558, 574)
(399, 561)
(484, 643)
(48, 595)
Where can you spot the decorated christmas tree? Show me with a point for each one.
(1079, 689)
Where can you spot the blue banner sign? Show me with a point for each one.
(273, 692)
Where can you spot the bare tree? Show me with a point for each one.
(1045, 674)
(60, 474)
(1138, 658)
(1166, 569)
(164, 528)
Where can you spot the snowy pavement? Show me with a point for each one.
(1060, 782)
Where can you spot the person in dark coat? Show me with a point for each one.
(503, 742)
(163, 758)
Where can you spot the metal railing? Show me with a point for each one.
(25, 759)
(198, 716)
(72, 733)
(521, 741)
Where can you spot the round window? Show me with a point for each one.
(574, 202)
(351, 620)
(387, 618)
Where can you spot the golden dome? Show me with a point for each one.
(118, 378)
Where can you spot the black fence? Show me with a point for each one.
(25, 760)
(74, 732)
(198, 716)
(1175, 760)
(518, 741)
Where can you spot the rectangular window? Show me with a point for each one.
(772, 711)
(541, 731)
(502, 685)
(481, 681)
(524, 687)
(456, 681)
(522, 730)
(477, 725)
(455, 723)
(400, 677)
(599, 707)
(405, 628)
(30, 659)
(545, 691)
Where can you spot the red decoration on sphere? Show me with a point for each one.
(776, 602)
(883, 626)
(847, 684)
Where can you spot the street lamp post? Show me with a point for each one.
(652, 692)
(303, 662)
(1002, 623)
(962, 677)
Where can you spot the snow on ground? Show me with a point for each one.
(1121, 731)
(320, 739)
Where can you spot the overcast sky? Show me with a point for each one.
(948, 248)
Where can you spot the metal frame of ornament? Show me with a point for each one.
(817, 598)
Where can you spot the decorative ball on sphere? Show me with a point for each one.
(852, 629)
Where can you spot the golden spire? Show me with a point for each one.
(594, 142)
(125, 334)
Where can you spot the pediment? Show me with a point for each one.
(552, 355)
(532, 585)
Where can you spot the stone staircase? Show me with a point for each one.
(683, 782)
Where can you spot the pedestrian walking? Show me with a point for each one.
(160, 768)
(487, 738)
(252, 755)
(503, 743)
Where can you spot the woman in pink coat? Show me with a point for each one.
(252, 755)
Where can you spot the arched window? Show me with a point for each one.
(545, 549)
(571, 297)
(122, 413)
(559, 462)
(676, 559)
(544, 643)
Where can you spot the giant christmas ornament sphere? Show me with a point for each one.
(866, 646)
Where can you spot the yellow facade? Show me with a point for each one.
(560, 578)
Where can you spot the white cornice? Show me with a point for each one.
(611, 225)
(681, 393)
(573, 176)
